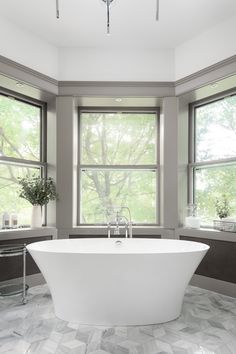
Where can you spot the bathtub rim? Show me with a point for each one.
(198, 247)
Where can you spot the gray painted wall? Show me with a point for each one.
(63, 136)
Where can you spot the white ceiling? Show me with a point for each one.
(82, 23)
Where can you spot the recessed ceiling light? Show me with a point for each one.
(19, 84)
(214, 85)
(118, 99)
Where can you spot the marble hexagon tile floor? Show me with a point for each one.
(207, 326)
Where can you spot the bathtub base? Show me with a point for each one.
(149, 307)
(124, 323)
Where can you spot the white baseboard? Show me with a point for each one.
(219, 286)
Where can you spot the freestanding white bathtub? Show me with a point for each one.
(117, 281)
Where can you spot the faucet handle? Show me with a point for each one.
(108, 229)
(126, 229)
(117, 230)
(130, 223)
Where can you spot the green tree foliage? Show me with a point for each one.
(19, 129)
(121, 139)
(19, 138)
(215, 140)
(118, 139)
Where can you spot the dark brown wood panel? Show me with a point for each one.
(12, 267)
(220, 260)
(105, 236)
(87, 236)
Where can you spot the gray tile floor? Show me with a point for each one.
(207, 326)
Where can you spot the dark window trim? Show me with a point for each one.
(192, 164)
(155, 110)
(42, 163)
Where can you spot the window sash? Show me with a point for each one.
(198, 166)
(43, 131)
(192, 127)
(127, 110)
(118, 168)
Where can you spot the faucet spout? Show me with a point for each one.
(130, 225)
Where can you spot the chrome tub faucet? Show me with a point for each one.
(119, 222)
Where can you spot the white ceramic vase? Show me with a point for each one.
(36, 217)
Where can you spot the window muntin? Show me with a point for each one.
(213, 158)
(118, 165)
(22, 150)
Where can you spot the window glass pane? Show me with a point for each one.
(216, 130)
(19, 129)
(211, 184)
(9, 191)
(118, 138)
(105, 189)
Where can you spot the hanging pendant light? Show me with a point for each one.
(108, 3)
(157, 10)
(57, 9)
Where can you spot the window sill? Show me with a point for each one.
(27, 233)
(93, 230)
(102, 229)
(207, 234)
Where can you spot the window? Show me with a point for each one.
(118, 165)
(22, 151)
(213, 156)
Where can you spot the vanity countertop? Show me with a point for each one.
(17, 234)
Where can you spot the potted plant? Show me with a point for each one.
(222, 207)
(223, 210)
(38, 191)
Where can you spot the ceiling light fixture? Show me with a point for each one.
(19, 84)
(157, 10)
(57, 9)
(214, 85)
(108, 3)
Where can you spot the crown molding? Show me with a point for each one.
(206, 76)
(207, 70)
(116, 88)
(116, 84)
(27, 75)
(27, 70)
(217, 71)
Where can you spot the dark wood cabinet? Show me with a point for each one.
(220, 260)
(12, 267)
